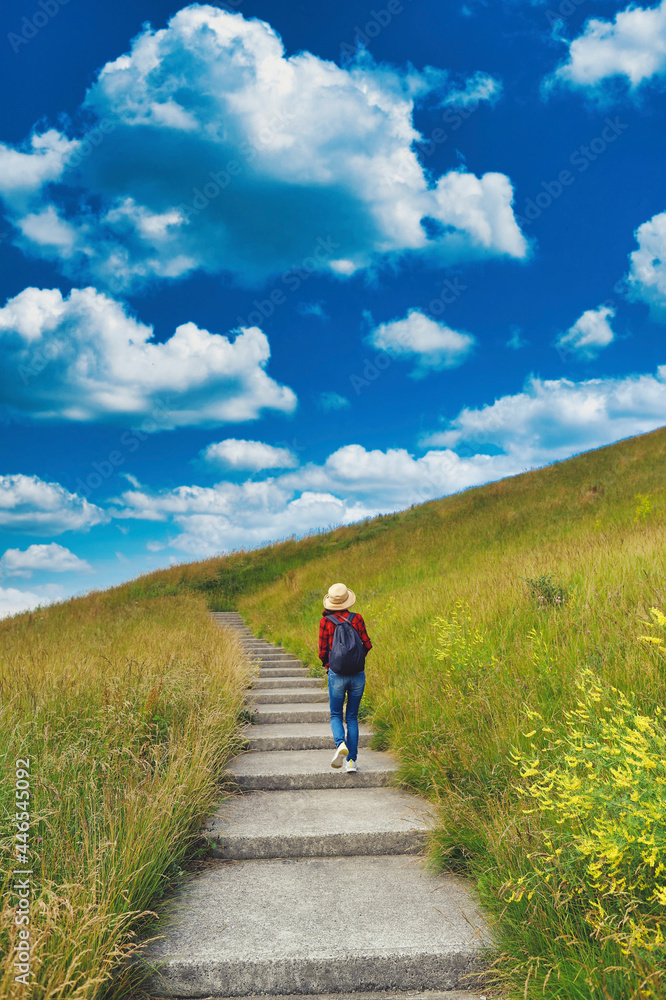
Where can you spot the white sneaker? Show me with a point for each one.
(351, 767)
(340, 753)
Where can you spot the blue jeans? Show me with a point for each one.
(339, 686)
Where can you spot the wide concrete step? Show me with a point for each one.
(261, 683)
(281, 770)
(318, 926)
(290, 712)
(292, 696)
(298, 736)
(319, 823)
(389, 994)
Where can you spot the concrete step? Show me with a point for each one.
(291, 712)
(321, 925)
(319, 823)
(264, 648)
(260, 683)
(280, 770)
(260, 643)
(268, 650)
(291, 696)
(390, 994)
(298, 736)
(284, 671)
(270, 655)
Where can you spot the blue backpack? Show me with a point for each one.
(347, 655)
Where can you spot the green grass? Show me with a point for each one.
(461, 600)
(488, 610)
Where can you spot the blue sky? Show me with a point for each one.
(271, 268)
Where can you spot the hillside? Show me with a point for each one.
(509, 676)
(528, 595)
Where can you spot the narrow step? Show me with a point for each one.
(319, 823)
(321, 925)
(291, 696)
(267, 650)
(298, 736)
(261, 683)
(281, 770)
(277, 656)
(291, 712)
(284, 672)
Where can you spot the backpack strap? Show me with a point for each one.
(340, 621)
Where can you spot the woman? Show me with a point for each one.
(344, 659)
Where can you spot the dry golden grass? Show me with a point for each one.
(127, 711)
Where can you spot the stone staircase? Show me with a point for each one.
(318, 887)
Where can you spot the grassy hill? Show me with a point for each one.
(518, 673)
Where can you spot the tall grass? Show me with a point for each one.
(488, 611)
(486, 608)
(127, 710)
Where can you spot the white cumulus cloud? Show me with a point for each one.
(42, 161)
(52, 558)
(647, 271)
(552, 419)
(431, 344)
(589, 334)
(253, 455)
(632, 46)
(222, 153)
(546, 422)
(34, 507)
(84, 358)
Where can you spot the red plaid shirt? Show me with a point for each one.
(327, 631)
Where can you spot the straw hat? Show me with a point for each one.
(339, 597)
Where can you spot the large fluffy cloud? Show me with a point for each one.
(33, 507)
(631, 46)
(214, 150)
(647, 272)
(432, 345)
(52, 558)
(83, 358)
